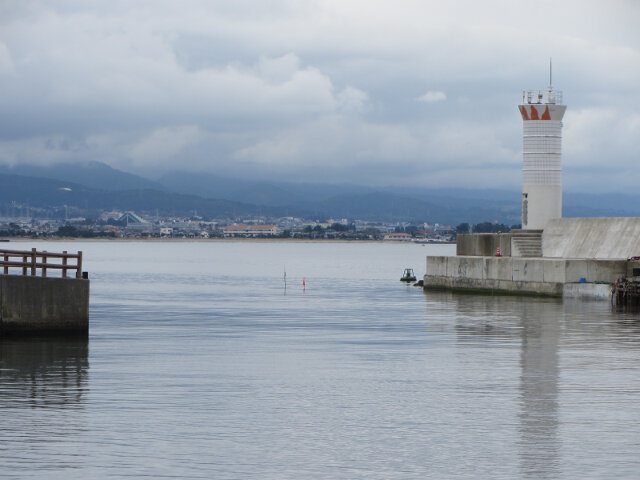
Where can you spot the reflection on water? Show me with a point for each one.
(534, 324)
(575, 362)
(204, 369)
(43, 389)
(539, 445)
(49, 372)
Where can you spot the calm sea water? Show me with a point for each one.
(200, 364)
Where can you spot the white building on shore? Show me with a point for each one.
(251, 231)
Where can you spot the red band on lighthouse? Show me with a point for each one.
(546, 115)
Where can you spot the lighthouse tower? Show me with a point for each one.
(542, 113)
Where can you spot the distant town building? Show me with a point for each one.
(250, 231)
(135, 223)
(130, 218)
(398, 237)
(110, 215)
(443, 228)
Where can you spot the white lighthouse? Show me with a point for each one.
(542, 113)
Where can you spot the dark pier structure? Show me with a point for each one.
(625, 293)
(34, 303)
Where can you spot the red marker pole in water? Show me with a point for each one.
(304, 284)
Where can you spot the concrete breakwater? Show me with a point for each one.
(518, 275)
(32, 304)
(573, 257)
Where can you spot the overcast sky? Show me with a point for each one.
(420, 93)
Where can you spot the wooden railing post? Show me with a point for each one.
(24, 263)
(79, 270)
(44, 263)
(33, 262)
(64, 264)
(6, 267)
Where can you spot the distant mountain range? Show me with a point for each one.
(46, 193)
(94, 175)
(95, 186)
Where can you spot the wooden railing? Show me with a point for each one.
(32, 260)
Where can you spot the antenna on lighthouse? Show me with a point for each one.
(550, 74)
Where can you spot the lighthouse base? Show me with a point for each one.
(540, 203)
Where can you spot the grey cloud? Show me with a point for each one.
(318, 90)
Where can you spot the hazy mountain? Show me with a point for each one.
(389, 207)
(47, 193)
(351, 201)
(603, 204)
(95, 186)
(40, 192)
(90, 174)
(263, 193)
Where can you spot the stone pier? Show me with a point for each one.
(36, 305)
(572, 257)
(33, 303)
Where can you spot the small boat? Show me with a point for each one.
(408, 275)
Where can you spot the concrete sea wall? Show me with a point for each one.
(587, 291)
(537, 276)
(599, 238)
(483, 244)
(30, 304)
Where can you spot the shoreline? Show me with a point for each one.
(10, 240)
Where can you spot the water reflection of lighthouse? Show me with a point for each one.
(534, 328)
(539, 444)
